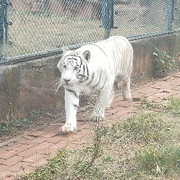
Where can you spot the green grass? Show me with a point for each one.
(161, 161)
(146, 128)
(12, 127)
(173, 107)
(52, 169)
(145, 146)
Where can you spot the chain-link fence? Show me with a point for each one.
(42, 26)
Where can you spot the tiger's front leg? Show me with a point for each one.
(102, 102)
(71, 105)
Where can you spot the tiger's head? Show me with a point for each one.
(74, 67)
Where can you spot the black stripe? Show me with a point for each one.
(104, 83)
(71, 58)
(68, 57)
(84, 69)
(75, 105)
(87, 69)
(72, 92)
(79, 70)
(98, 81)
(91, 80)
(83, 80)
(80, 60)
(76, 59)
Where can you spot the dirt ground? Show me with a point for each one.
(29, 150)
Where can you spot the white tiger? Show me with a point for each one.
(95, 67)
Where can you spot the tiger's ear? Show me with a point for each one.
(87, 55)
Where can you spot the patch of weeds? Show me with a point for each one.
(141, 128)
(163, 161)
(145, 128)
(11, 127)
(173, 107)
(163, 62)
(115, 133)
(54, 166)
(108, 158)
(84, 163)
(146, 105)
(39, 113)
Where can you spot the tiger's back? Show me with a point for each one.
(114, 55)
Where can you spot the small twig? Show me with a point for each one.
(96, 144)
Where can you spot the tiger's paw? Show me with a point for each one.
(127, 97)
(68, 128)
(96, 117)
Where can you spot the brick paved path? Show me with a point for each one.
(25, 153)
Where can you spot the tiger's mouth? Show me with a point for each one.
(68, 84)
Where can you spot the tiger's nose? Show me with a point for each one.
(67, 80)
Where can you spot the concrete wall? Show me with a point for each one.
(29, 86)
(143, 50)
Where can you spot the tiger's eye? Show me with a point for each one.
(64, 66)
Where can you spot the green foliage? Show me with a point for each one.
(146, 105)
(145, 128)
(11, 127)
(160, 161)
(51, 170)
(173, 107)
(163, 62)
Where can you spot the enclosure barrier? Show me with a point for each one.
(40, 28)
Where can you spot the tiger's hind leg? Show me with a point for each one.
(110, 99)
(126, 90)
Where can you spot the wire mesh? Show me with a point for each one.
(47, 24)
(139, 17)
(41, 25)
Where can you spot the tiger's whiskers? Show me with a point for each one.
(57, 85)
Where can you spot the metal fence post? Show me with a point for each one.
(112, 14)
(169, 14)
(6, 20)
(1, 27)
(105, 17)
(177, 13)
